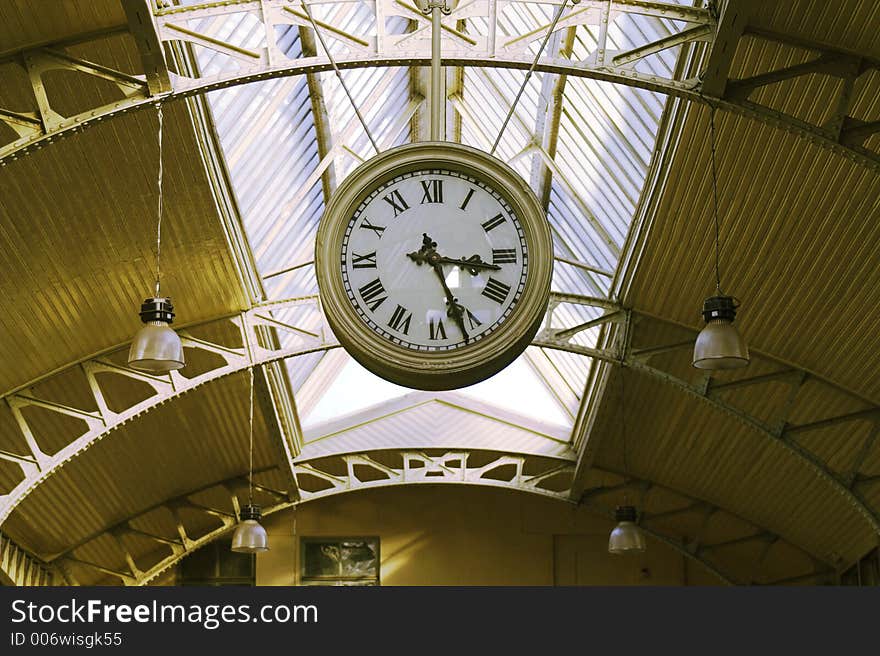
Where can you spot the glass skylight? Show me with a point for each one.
(282, 166)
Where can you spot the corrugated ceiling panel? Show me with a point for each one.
(21, 26)
(690, 446)
(848, 24)
(199, 439)
(806, 228)
(78, 251)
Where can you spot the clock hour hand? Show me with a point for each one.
(470, 264)
(428, 254)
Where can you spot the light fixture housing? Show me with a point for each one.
(250, 536)
(156, 348)
(626, 537)
(719, 345)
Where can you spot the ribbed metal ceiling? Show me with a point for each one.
(800, 231)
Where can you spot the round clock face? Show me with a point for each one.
(434, 262)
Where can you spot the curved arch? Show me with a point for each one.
(312, 336)
(306, 336)
(367, 50)
(638, 360)
(459, 474)
(182, 548)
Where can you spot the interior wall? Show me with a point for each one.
(461, 535)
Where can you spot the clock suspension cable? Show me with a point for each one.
(540, 52)
(336, 70)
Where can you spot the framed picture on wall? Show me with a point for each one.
(340, 561)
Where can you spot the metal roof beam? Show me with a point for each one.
(496, 50)
(734, 16)
(309, 338)
(418, 468)
(312, 336)
(278, 407)
(143, 30)
(323, 133)
(620, 353)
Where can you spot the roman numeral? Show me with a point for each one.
(400, 320)
(495, 290)
(503, 256)
(373, 294)
(396, 201)
(467, 199)
(366, 225)
(494, 222)
(433, 191)
(437, 330)
(472, 320)
(367, 261)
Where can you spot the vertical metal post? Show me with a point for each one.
(438, 95)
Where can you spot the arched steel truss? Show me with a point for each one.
(306, 336)
(849, 484)
(842, 134)
(451, 467)
(312, 335)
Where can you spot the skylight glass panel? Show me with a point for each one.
(597, 163)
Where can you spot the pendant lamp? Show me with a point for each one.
(719, 345)
(156, 348)
(627, 536)
(250, 536)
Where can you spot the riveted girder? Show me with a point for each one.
(298, 323)
(844, 134)
(619, 351)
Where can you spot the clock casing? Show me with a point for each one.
(434, 263)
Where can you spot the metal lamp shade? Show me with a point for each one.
(156, 349)
(626, 537)
(250, 537)
(720, 346)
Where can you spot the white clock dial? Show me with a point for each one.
(434, 260)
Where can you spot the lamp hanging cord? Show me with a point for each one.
(251, 440)
(623, 421)
(715, 201)
(622, 403)
(339, 75)
(529, 74)
(159, 222)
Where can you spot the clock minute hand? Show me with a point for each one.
(427, 254)
(455, 309)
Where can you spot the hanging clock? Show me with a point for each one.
(433, 263)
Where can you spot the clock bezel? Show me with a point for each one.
(446, 369)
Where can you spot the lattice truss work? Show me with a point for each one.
(43, 430)
(47, 437)
(178, 526)
(35, 109)
(605, 332)
(830, 430)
